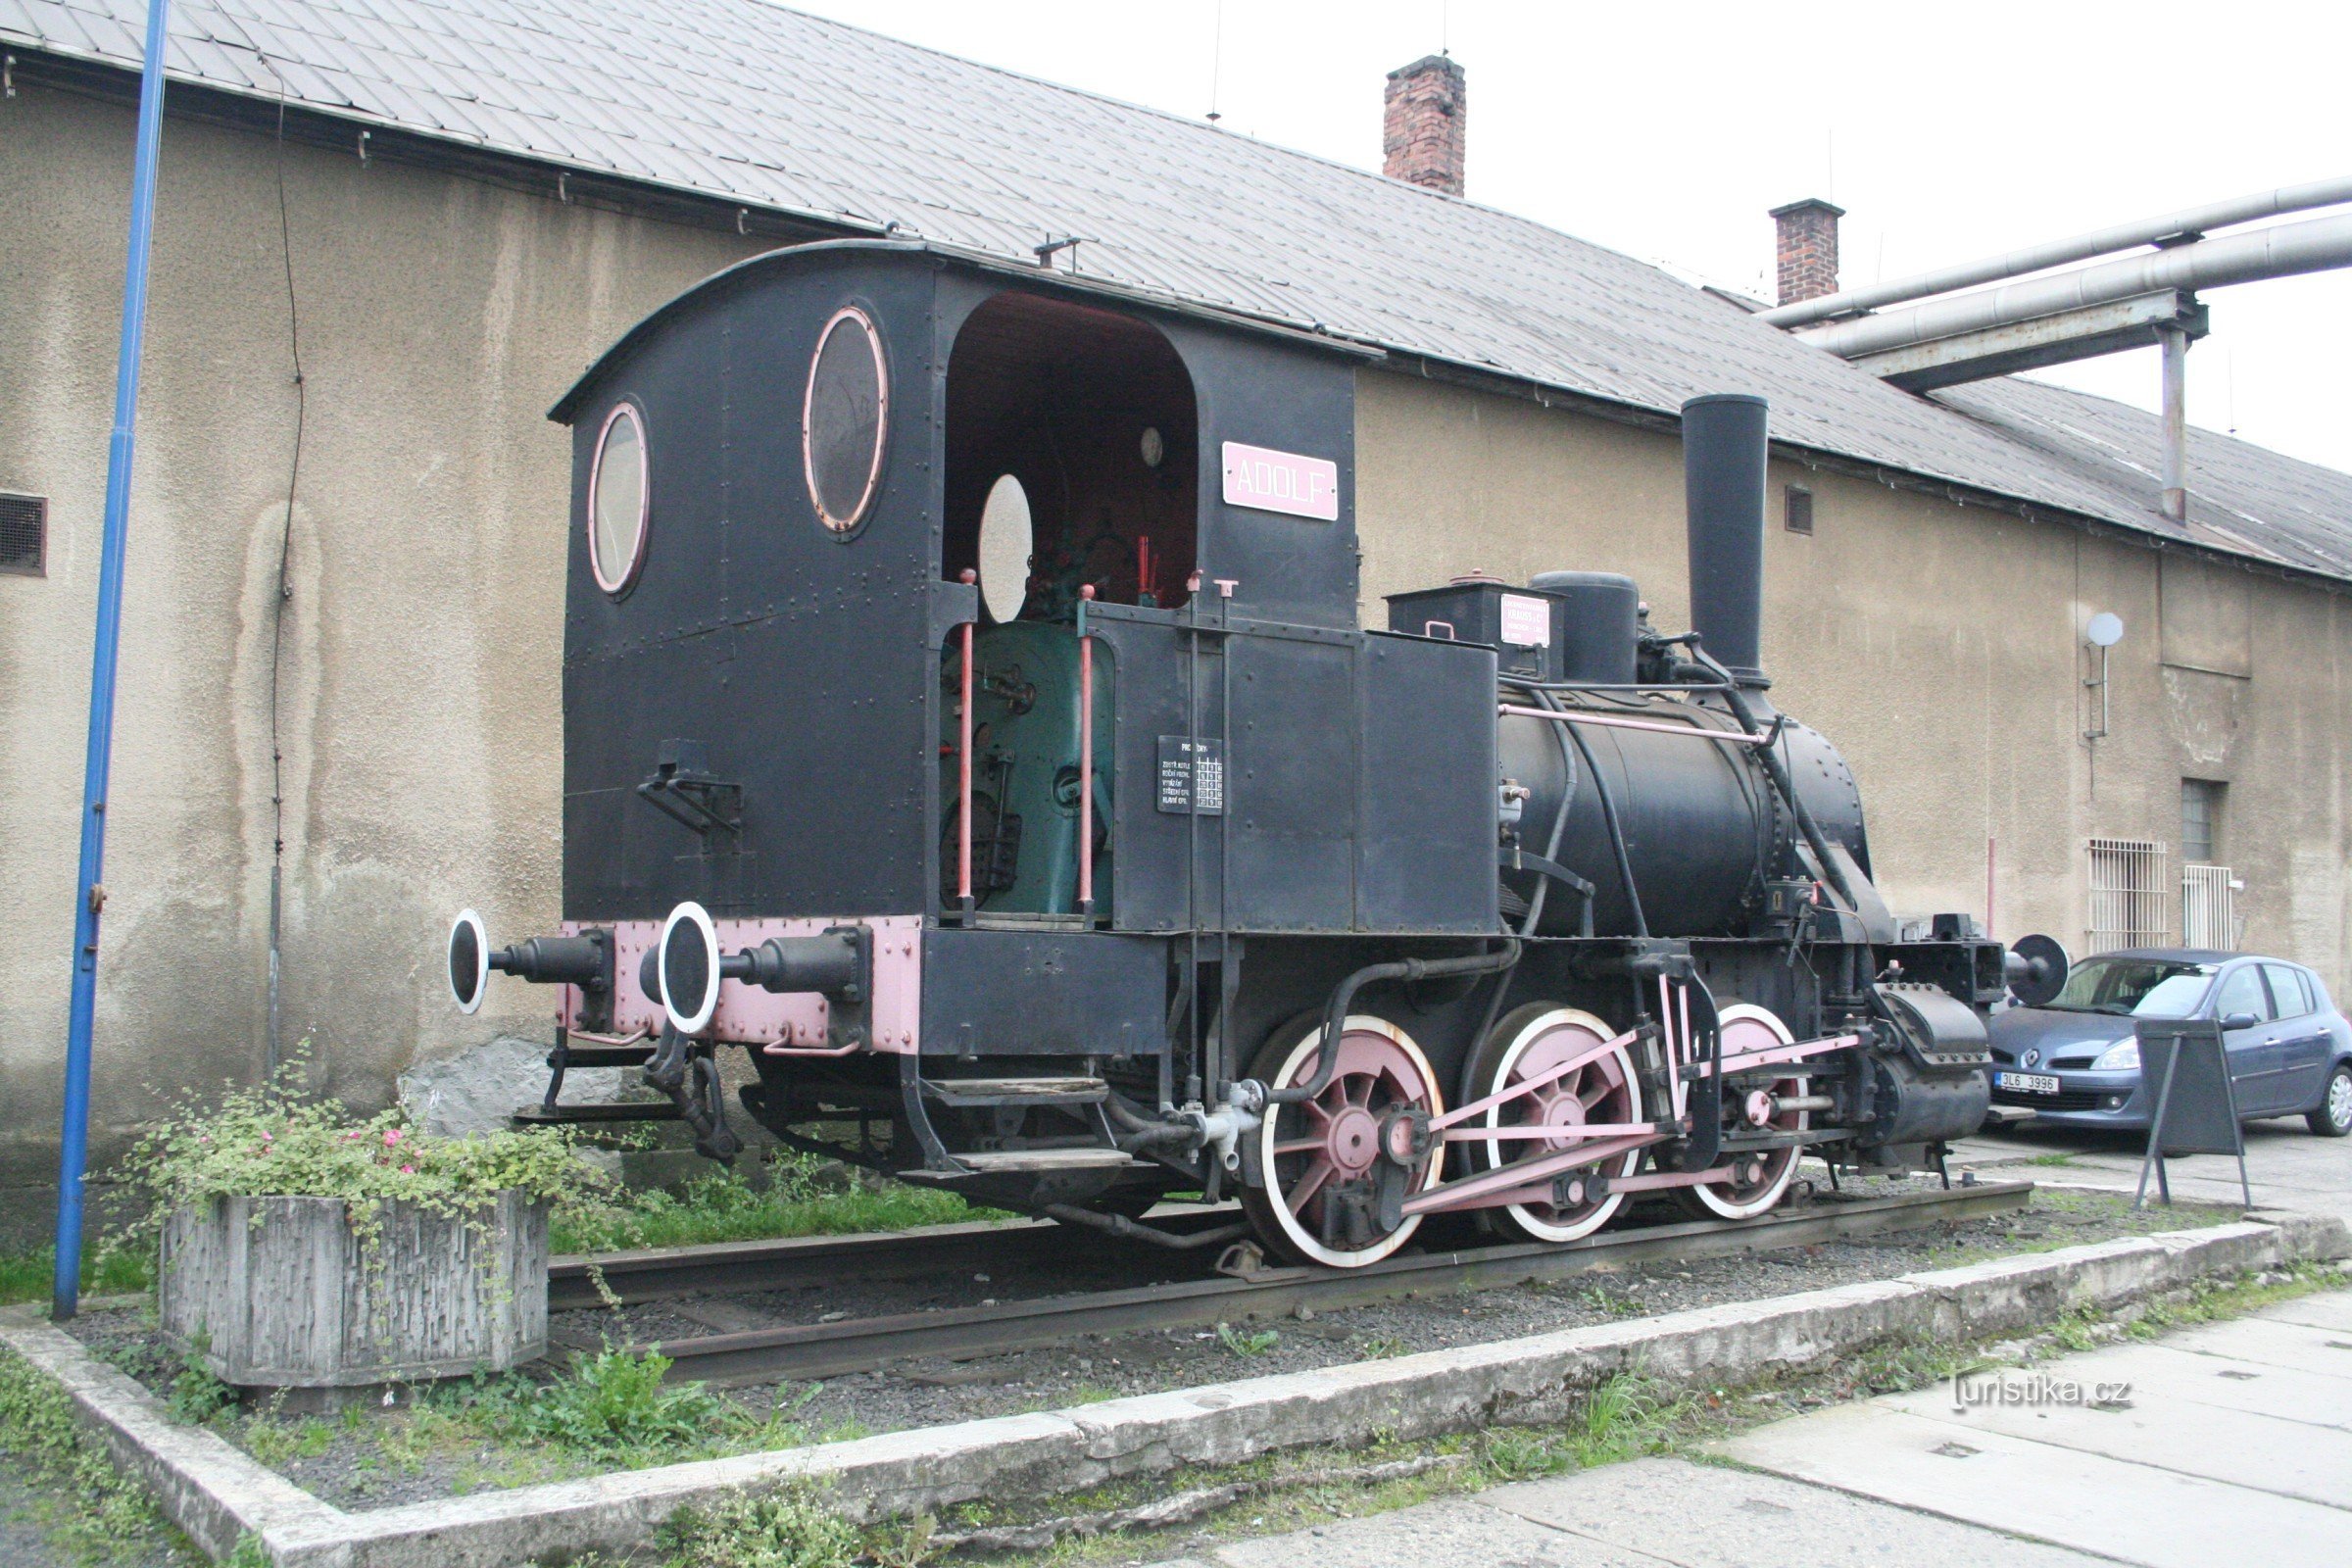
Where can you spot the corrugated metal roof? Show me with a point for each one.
(773, 109)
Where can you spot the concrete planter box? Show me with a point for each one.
(280, 1293)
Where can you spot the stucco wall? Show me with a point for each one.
(439, 318)
(1941, 646)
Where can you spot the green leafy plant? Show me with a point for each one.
(269, 1141)
(724, 1206)
(196, 1394)
(1257, 1344)
(611, 1404)
(108, 1508)
(788, 1528)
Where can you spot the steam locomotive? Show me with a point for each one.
(967, 716)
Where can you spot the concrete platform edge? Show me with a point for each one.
(214, 1492)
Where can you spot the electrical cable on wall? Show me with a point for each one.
(286, 590)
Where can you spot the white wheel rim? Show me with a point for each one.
(1305, 1241)
(481, 961)
(2339, 1098)
(1710, 1195)
(1524, 1215)
(693, 913)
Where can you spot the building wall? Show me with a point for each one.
(438, 320)
(1941, 646)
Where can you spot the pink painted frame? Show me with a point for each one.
(790, 1024)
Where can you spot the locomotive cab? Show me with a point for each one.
(968, 719)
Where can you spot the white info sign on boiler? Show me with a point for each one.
(1526, 621)
(1282, 481)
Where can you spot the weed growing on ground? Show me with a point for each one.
(1247, 1345)
(196, 1396)
(724, 1206)
(105, 1510)
(1381, 1348)
(793, 1527)
(2051, 1159)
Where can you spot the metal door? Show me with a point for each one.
(2255, 1055)
(2304, 1043)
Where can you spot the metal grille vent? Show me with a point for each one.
(25, 535)
(1799, 508)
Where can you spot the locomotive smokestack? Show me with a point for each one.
(1722, 485)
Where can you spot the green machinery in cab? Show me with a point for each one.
(1025, 770)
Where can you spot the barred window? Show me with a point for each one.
(2129, 904)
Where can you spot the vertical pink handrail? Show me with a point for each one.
(963, 773)
(1085, 758)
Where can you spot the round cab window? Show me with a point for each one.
(841, 421)
(1006, 542)
(616, 499)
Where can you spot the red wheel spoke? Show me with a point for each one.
(1298, 1145)
(1309, 1185)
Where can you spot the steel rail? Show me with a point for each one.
(742, 1268)
(801, 1352)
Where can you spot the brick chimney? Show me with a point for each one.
(1808, 248)
(1422, 124)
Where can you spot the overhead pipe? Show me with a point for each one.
(2282, 251)
(2190, 222)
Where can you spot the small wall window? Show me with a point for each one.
(1797, 509)
(25, 535)
(618, 493)
(844, 420)
(2201, 821)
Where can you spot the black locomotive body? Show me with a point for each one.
(967, 716)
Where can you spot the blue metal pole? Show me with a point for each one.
(74, 1145)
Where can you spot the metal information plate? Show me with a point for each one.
(1526, 621)
(1290, 482)
(1178, 758)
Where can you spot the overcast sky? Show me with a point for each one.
(1666, 131)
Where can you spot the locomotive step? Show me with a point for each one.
(576, 1056)
(612, 1111)
(1018, 1161)
(1018, 1091)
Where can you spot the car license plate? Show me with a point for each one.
(2026, 1083)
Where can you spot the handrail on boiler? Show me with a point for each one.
(1727, 737)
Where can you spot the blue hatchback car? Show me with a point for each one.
(2076, 1061)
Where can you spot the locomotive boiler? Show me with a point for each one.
(968, 720)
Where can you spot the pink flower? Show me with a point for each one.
(268, 1138)
(391, 1136)
(408, 1170)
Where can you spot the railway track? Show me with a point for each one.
(801, 1351)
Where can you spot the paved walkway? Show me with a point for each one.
(2230, 1443)
(2289, 1166)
